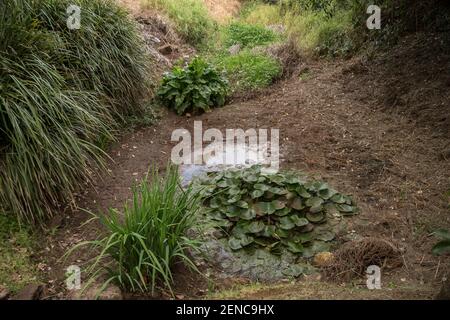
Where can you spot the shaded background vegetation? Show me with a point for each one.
(338, 27)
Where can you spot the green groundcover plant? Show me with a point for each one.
(248, 35)
(249, 71)
(274, 211)
(193, 88)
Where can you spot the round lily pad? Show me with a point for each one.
(286, 223)
(248, 214)
(257, 194)
(325, 236)
(294, 247)
(297, 204)
(314, 202)
(299, 222)
(255, 227)
(315, 217)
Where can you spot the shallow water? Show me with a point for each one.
(220, 156)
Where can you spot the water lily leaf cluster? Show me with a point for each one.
(282, 211)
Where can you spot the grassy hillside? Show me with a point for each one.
(338, 27)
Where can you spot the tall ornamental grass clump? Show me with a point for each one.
(144, 242)
(61, 94)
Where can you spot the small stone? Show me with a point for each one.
(4, 293)
(444, 294)
(323, 259)
(166, 49)
(445, 154)
(277, 28)
(56, 222)
(154, 39)
(234, 49)
(112, 292)
(30, 292)
(218, 234)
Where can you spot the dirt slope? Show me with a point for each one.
(223, 10)
(220, 10)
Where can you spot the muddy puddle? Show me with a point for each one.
(222, 156)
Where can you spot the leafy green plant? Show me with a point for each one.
(196, 87)
(61, 94)
(274, 211)
(248, 35)
(144, 242)
(442, 246)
